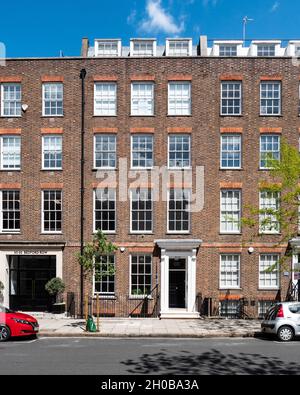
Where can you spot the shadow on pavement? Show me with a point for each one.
(210, 363)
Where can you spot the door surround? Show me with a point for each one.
(11, 249)
(184, 249)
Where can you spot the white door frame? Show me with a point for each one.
(190, 258)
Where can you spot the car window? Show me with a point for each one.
(295, 308)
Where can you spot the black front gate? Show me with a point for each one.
(28, 277)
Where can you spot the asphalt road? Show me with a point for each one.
(148, 356)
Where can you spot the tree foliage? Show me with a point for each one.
(282, 181)
(92, 254)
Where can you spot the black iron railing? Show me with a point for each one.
(124, 306)
(293, 293)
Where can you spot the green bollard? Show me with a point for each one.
(90, 325)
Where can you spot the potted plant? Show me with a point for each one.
(1, 292)
(55, 287)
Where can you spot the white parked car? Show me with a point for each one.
(283, 320)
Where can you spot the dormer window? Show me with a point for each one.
(228, 50)
(265, 50)
(143, 47)
(179, 47)
(109, 48)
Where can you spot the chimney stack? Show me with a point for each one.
(84, 47)
(203, 45)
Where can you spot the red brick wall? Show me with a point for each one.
(205, 123)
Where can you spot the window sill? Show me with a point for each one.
(104, 116)
(179, 116)
(231, 115)
(142, 116)
(10, 170)
(178, 233)
(105, 233)
(269, 289)
(10, 233)
(52, 116)
(50, 170)
(95, 169)
(141, 233)
(52, 233)
(230, 289)
(231, 234)
(231, 169)
(139, 297)
(270, 116)
(11, 116)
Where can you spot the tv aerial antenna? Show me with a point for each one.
(246, 20)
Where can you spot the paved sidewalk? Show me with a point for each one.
(114, 327)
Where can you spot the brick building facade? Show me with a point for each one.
(206, 261)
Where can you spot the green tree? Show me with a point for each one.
(282, 181)
(91, 257)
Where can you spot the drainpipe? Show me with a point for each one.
(82, 160)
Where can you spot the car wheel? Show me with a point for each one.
(4, 333)
(285, 334)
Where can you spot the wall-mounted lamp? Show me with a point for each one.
(24, 107)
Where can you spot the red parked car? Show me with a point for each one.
(14, 324)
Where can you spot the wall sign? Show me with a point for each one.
(30, 252)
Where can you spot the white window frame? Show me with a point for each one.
(15, 168)
(179, 42)
(94, 210)
(102, 113)
(180, 113)
(139, 112)
(265, 207)
(228, 98)
(12, 84)
(239, 136)
(133, 296)
(261, 152)
(189, 194)
(43, 212)
(231, 232)
(267, 50)
(190, 154)
(273, 114)
(146, 42)
(151, 211)
(43, 152)
(108, 151)
(228, 50)
(9, 231)
(230, 273)
(44, 99)
(277, 272)
(109, 53)
(107, 294)
(131, 150)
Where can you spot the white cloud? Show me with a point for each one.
(159, 20)
(131, 17)
(275, 6)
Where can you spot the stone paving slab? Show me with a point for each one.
(65, 327)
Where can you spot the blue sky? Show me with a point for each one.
(42, 28)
